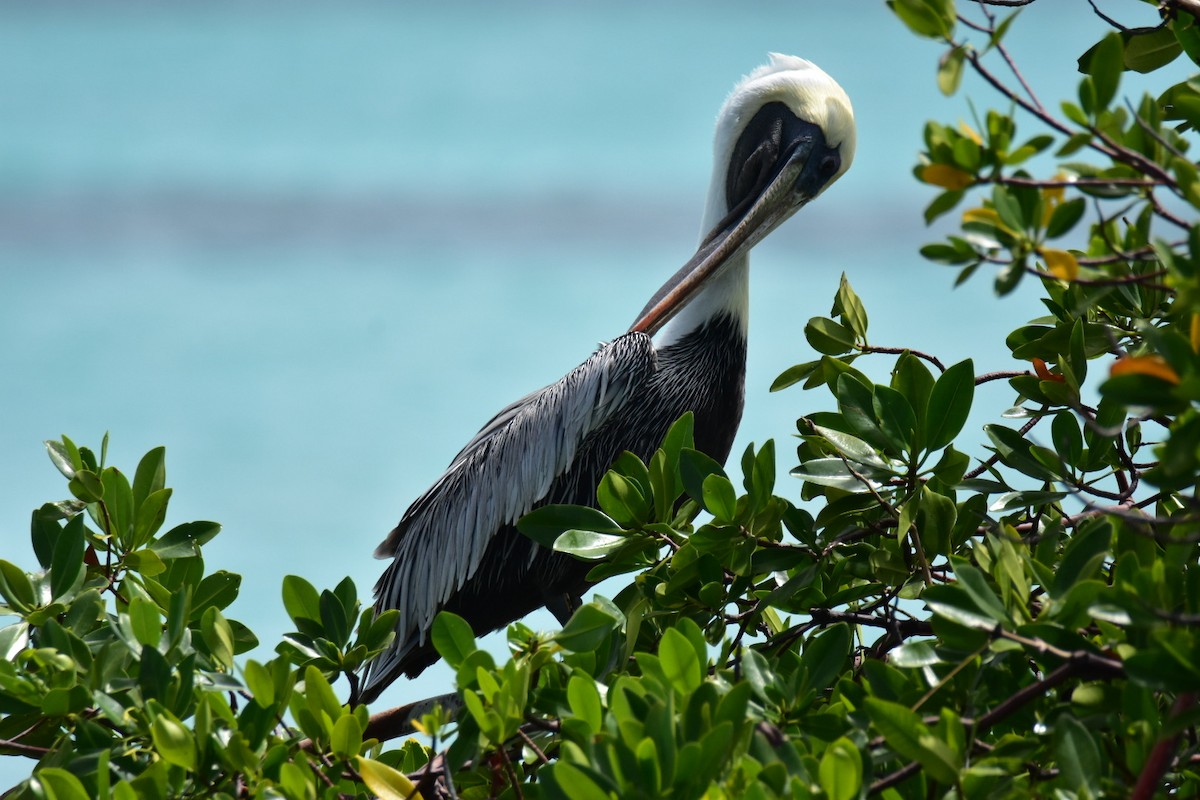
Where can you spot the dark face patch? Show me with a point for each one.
(766, 143)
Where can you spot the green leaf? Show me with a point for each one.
(150, 516)
(834, 473)
(828, 337)
(1015, 451)
(67, 565)
(16, 587)
(896, 417)
(347, 737)
(853, 448)
(912, 379)
(930, 18)
(856, 402)
(590, 626)
(300, 599)
(575, 784)
(1083, 556)
(972, 581)
(62, 457)
(1011, 213)
(173, 741)
(1064, 217)
(848, 306)
(589, 545)
(1104, 62)
(824, 656)
(584, 700)
(1078, 756)
(58, 784)
(185, 541)
(622, 499)
(260, 682)
(913, 655)
(908, 737)
(453, 638)
(694, 468)
(719, 497)
(942, 204)
(949, 404)
(216, 590)
(320, 699)
(680, 662)
(87, 486)
(546, 524)
(151, 475)
(217, 636)
(901, 727)
(1148, 50)
(950, 70)
(145, 621)
(840, 772)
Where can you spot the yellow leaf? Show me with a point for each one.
(987, 216)
(385, 782)
(1144, 365)
(1061, 264)
(1196, 333)
(946, 176)
(969, 132)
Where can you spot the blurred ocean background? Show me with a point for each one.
(311, 248)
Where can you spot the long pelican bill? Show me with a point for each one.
(785, 192)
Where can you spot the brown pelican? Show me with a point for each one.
(785, 133)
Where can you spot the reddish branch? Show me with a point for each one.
(1162, 754)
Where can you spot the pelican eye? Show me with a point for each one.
(830, 163)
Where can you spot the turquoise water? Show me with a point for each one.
(312, 248)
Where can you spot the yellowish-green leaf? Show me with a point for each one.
(386, 783)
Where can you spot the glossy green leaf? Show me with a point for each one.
(218, 636)
(173, 741)
(949, 404)
(1104, 63)
(185, 541)
(840, 773)
(59, 784)
(453, 638)
(929, 18)
(1148, 50)
(347, 737)
(585, 701)
(589, 544)
(589, 627)
(67, 566)
(151, 475)
(719, 497)
(680, 662)
(546, 524)
(829, 337)
(16, 587)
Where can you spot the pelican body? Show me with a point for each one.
(785, 133)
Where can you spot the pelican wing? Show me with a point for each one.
(497, 478)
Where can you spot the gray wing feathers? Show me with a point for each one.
(498, 477)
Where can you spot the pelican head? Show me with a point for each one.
(785, 133)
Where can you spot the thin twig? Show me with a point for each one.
(896, 351)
